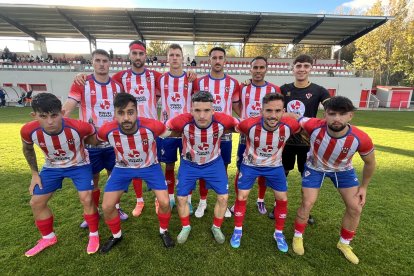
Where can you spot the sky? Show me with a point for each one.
(82, 46)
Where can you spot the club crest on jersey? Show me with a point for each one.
(217, 99)
(215, 135)
(134, 156)
(71, 141)
(308, 95)
(42, 145)
(296, 106)
(185, 86)
(288, 94)
(247, 95)
(266, 151)
(257, 106)
(145, 141)
(93, 92)
(118, 144)
(203, 149)
(148, 79)
(105, 104)
(282, 138)
(139, 89)
(318, 141)
(227, 89)
(256, 139)
(345, 150)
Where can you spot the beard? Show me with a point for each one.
(338, 128)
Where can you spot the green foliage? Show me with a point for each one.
(266, 50)
(204, 48)
(383, 240)
(157, 48)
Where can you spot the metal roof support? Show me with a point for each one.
(92, 39)
(22, 28)
(354, 37)
(252, 29)
(135, 25)
(305, 33)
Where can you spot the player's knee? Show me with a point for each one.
(108, 207)
(354, 210)
(164, 203)
(37, 203)
(86, 198)
(307, 204)
(222, 199)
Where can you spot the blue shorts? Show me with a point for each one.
(167, 149)
(240, 151)
(225, 149)
(275, 177)
(52, 179)
(214, 173)
(121, 177)
(101, 158)
(314, 179)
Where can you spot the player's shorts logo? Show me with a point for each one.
(59, 152)
(133, 153)
(296, 106)
(105, 104)
(307, 173)
(176, 97)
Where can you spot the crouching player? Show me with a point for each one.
(265, 138)
(201, 133)
(333, 143)
(133, 139)
(62, 142)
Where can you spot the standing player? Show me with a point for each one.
(301, 97)
(96, 106)
(250, 106)
(133, 139)
(62, 143)
(226, 93)
(265, 138)
(333, 143)
(201, 133)
(175, 91)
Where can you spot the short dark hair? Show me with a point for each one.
(273, 97)
(137, 42)
(303, 58)
(339, 104)
(257, 58)
(47, 103)
(175, 46)
(217, 49)
(121, 100)
(100, 52)
(202, 96)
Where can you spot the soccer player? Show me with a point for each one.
(265, 138)
(62, 143)
(301, 97)
(226, 93)
(201, 133)
(333, 143)
(95, 98)
(175, 91)
(250, 106)
(133, 139)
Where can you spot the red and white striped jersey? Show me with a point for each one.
(175, 95)
(264, 148)
(96, 99)
(201, 145)
(136, 150)
(251, 98)
(62, 150)
(143, 88)
(331, 154)
(225, 91)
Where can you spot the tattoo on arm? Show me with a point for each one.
(30, 155)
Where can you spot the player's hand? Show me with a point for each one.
(80, 79)
(191, 75)
(247, 82)
(35, 181)
(362, 195)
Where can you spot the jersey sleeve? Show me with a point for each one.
(292, 123)
(310, 124)
(118, 77)
(104, 130)
(26, 131)
(365, 146)
(157, 77)
(76, 92)
(324, 95)
(155, 126)
(236, 93)
(245, 125)
(196, 86)
(85, 129)
(178, 123)
(227, 121)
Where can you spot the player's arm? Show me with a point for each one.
(69, 106)
(191, 75)
(30, 155)
(291, 115)
(92, 140)
(236, 107)
(367, 172)
(80, 79)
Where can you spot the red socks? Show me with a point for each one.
(203, 189)
(239, 212)
(170, 178)
(114, 225)
(236, 179)
(96, 194)
(280, 214)
(185, 221)
(93, 221)
(164, 220)
(300, 228)
(45, 226)
(137, 183)
(217, 222)
(347, 235)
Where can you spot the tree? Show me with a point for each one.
(157, 48)
(267, 50)
(203, 49)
